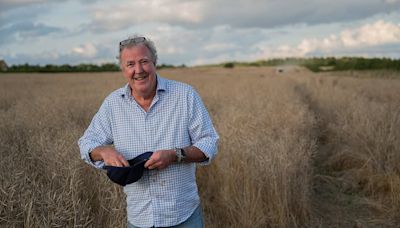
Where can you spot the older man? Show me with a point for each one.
(151, 113)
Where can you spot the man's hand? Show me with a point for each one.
(161, 159)
(109, 155)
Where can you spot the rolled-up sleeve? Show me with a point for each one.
(97, 134)
(202, 132)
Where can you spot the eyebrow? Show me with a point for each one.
(142, 59)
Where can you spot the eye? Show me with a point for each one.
(144, 61)
(130, 65)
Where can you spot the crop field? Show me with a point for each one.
(297, 149)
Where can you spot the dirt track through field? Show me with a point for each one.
(335, 203)
(329, 203)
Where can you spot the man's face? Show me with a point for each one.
(139, 70)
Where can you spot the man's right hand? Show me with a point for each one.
(109, 155)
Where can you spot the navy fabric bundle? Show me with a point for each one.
(130, 174)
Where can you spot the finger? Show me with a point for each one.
(117, 163)
(124, 162)
(154, 165)
(109, 162)
(149, 163)
(121, 160)
(152, 160)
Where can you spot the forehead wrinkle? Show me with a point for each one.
(141, 59)
(143, 49)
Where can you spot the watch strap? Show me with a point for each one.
(180, 155)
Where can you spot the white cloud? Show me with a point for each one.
(86, 50)
(378, 33)
(145, 11)
(197, 31)
(368, 36)
(220, 46)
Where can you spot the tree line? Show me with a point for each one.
(352, 63)
(318, 64)
(51, 68)
(315, 64)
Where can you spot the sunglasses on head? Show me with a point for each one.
(129, 41)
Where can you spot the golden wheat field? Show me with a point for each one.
(297, 149)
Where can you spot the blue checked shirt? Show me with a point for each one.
(176, 118)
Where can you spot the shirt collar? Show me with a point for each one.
(161, 86)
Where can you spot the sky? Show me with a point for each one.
(196, 32)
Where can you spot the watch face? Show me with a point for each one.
(178, 153)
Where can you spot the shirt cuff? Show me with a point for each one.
(85, 151)
(208, 150)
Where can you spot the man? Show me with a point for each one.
(151, 113)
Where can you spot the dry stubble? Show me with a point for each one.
(286, 143)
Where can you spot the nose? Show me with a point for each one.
(138, 68)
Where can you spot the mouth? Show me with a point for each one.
(140, 78)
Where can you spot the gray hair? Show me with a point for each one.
(135, 40)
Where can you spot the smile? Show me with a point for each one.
(140, 78)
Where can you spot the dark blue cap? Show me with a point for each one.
(130, 174)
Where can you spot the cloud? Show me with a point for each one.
(84, 53)
(236, 13)
(88, 1)
(10, 4)
(13, 4)
(86, 50)
(222, 46)
(197, 31)
(144, 11)
(25, 31)
(14, 13)
(364, 40)
(177, 45)
(271, 13)
(378, 33)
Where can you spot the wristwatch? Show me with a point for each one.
(180, 155)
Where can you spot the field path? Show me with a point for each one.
(333, 205)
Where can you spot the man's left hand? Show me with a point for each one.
(161, 159)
